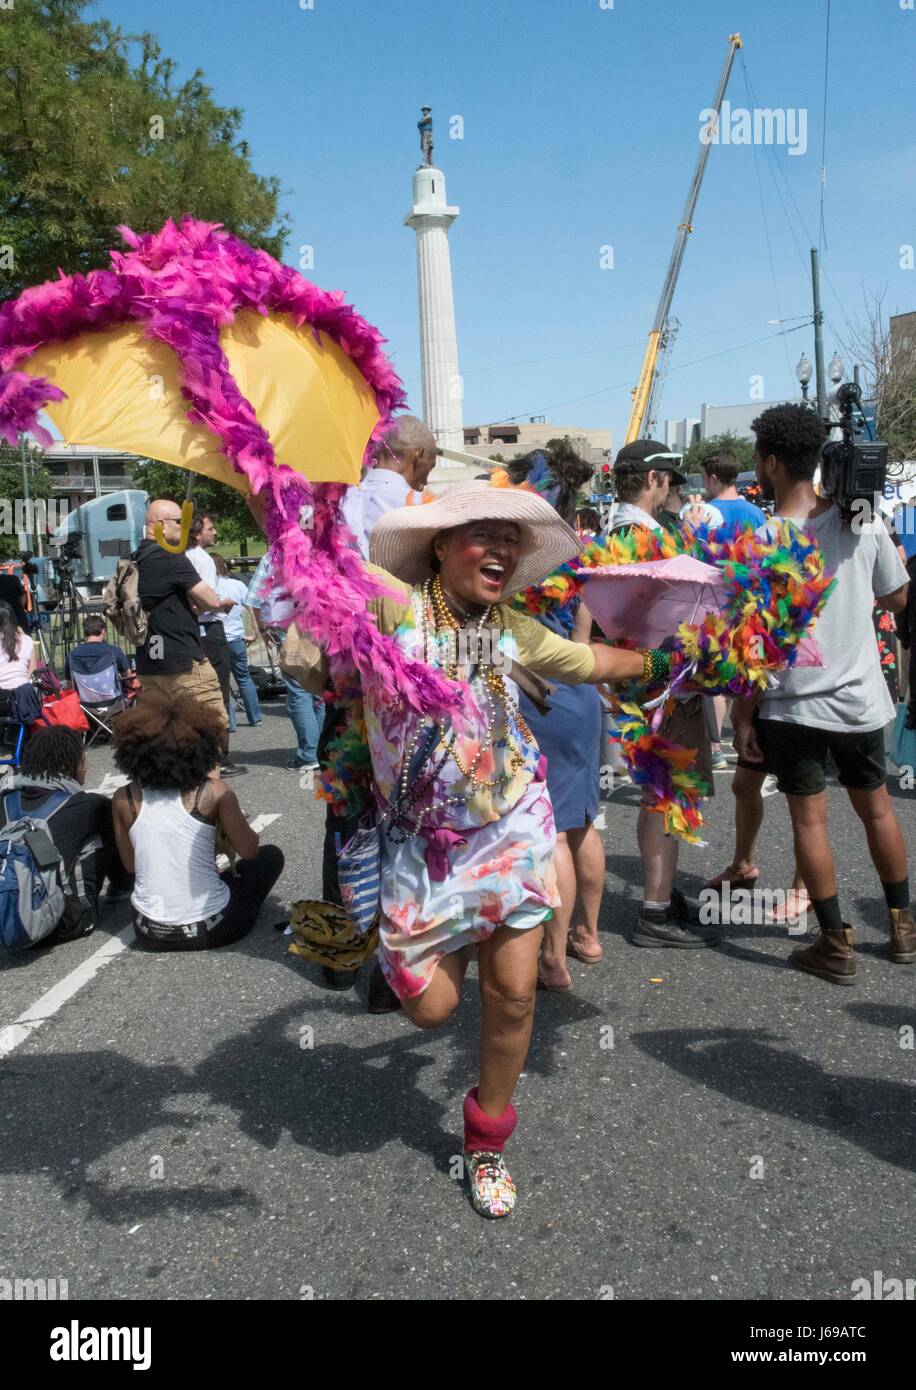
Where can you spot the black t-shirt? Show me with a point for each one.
(164, 583)
(12, 592)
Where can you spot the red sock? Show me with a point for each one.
(486, 1131)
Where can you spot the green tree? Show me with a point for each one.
(11, 491)
(235, 524)
(96, 131)
(699, 451)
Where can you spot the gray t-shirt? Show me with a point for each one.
(848, 693)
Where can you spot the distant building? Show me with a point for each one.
(903, 334)
(717, 419)
(79, 472)
(680, 434)
(516, 437)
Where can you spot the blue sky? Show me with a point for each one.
(581, 128)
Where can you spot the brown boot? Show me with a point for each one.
(832, 957)
(903, 936)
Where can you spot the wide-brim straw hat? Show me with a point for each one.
(402, 540)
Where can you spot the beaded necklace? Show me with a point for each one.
(432, 601)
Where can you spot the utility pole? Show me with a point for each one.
(25, 490)
(820, 378)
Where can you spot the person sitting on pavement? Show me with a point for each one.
(81, 829)
(173, 818)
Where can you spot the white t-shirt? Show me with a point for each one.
(206, 568)
(234, 621)
(848, 694)
(16, 672)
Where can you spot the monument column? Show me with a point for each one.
(431, 218)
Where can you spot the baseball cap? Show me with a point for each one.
(642, 455)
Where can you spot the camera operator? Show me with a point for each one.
(840, 708)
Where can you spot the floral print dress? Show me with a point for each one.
(483, 858)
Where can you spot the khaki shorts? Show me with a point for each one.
(201, 682)
(686, 725)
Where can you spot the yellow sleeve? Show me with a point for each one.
(548, 655)
(389, 613)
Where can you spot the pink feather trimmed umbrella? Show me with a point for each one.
(180, 311)
(647, 602)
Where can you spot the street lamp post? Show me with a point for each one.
(804, 372)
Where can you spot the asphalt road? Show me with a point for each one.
(749, 1134)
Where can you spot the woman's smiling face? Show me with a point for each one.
(477, 561)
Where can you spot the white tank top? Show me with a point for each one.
(177, 881)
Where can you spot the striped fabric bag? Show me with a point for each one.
(359, 873)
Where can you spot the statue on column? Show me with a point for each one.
(425, 127)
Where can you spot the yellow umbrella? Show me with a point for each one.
(124, 392)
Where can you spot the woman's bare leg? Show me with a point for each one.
(587, 852)
(508, 966)
(440, 998)
(553, 969)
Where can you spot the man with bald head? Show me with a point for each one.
(172, 660)
(405, 456)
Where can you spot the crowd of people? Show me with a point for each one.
(484, 832)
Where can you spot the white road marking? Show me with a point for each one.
(54, 999)
(49, 1004)
(110, 783)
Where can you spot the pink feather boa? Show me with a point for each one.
(182, 283)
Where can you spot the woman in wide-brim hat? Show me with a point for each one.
(468, 842)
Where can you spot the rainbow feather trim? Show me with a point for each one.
(775, 587)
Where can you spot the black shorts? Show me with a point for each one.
(746, 763)
(797, 755)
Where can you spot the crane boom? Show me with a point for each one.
(643, 389)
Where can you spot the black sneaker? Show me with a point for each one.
(382, 998)
(232, 770)
(666, 928)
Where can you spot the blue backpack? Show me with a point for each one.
(33, 877)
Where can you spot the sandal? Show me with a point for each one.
(796, 904)
(552, 989)
(727, 876)
(576, 949)
(491, 1190)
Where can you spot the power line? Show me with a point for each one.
(773, 166)
(766, 232)
(619, 347)
(628, 385)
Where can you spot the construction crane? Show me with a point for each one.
(646, 393)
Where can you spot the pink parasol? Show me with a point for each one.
(647, 602)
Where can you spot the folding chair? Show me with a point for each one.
(101, 698)
(11, 741)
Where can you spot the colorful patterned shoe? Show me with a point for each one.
(492, 1190)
